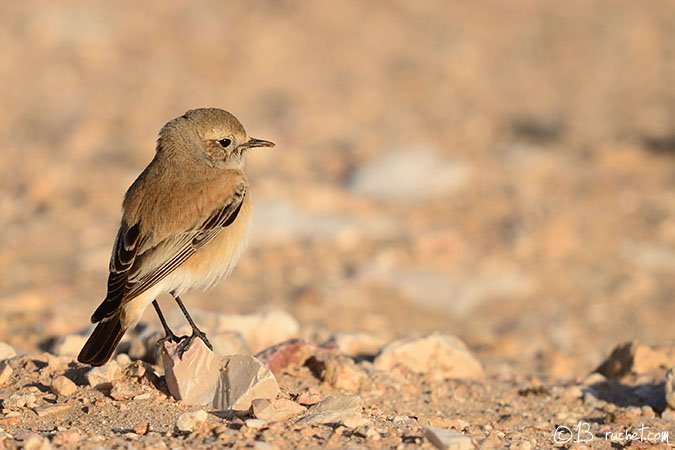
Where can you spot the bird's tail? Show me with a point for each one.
(102, 343)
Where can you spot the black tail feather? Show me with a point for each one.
(102, 343)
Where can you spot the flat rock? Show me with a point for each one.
(103, 376)
(63, 386)
(440, 355)
(68, 345)
(635, 357)
(243, 378)
(6, 351)
(334, 409)
(37, 442)
(45, 411)
(670, 388)
(447, 439)
(5, 373)
(190, 421)
(276, 410)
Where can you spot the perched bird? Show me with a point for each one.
(185, 222)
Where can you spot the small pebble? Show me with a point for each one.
(190, 421)
(63, 386)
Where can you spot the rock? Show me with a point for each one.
(190, 421)
(335, 410)
(20, 400)
(6, 351)
(293, 352)
(259, 330)
(244, 378)
(45, 411)
(670, 387)
(276, 410)
(67, 437)
(192, 378)
(338, 371)
(440, 355)
(634, 357)
(5, 373)
(103, 376)
(311, 396)
(125, 391)
(447, 439)
(63, 386)
(123, 360)
(68, 345)
(355, 421)
(141, 428)
(255, 424)
(229, 343)
(355, 343)
(36, 442)
(200, 377)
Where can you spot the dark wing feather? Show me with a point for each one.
(129, 277)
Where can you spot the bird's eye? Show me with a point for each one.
(225, 142)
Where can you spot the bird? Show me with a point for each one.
(185, 223)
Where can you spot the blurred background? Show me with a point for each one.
(503, 171)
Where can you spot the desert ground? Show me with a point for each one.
(497, 175)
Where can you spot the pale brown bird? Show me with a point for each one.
(185, 222)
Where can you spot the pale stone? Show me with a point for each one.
(355, 343)
(68, 345)
(447, 439)
(192, 378)
(634, 357)
(19, 400)
(45, 411)
(276, 410)
(260, 330)
(440, 355)
(6, 351)
(36, 442)
(670, 388)
(63, 386)
(5, 372)
(334, 409)
(103, 376)
(243, 378)
(190, 421)
(255, 424)
(200, 377)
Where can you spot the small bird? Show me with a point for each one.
(185, 222)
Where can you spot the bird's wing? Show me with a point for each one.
(134, 269)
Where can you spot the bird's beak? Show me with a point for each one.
(253, 142)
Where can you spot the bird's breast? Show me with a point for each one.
(217, 258)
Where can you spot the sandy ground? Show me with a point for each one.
(499, 171)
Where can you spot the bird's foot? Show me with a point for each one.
(186, 341)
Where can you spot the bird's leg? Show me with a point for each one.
(196, 332)
(170, 336)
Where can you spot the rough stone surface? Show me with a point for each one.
(276, 410)
(440, 355)
(243, 378)
(334, 409)
(447, 439)
(62, 385)
(190, 421)
(670, 388)
(68, 345)
(45, 411)
(102, 377)
(338, 371)
(193, 377)
(5, 373)
(634, 357)
(6, 351)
